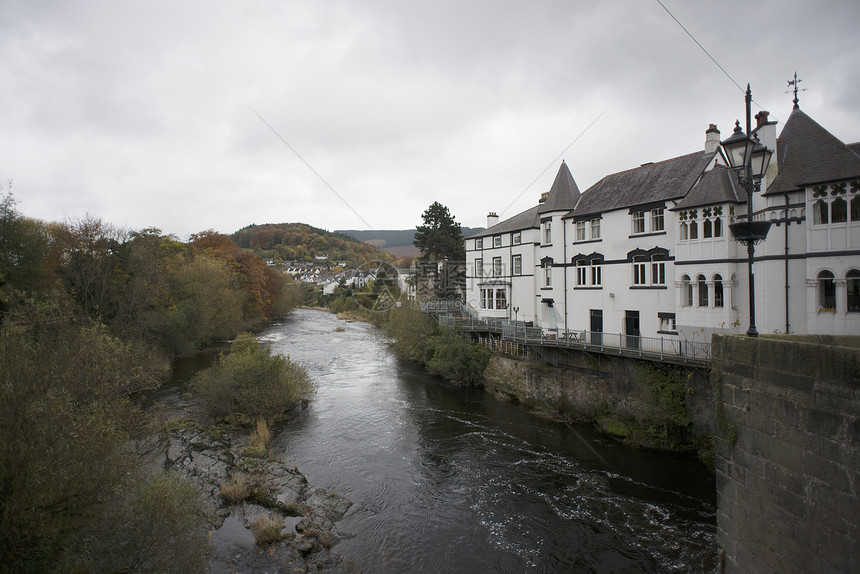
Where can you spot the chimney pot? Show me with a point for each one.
(761, 118)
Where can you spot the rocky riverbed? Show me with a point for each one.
(240, 490)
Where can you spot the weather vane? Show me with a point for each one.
(796, 83)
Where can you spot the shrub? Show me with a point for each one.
(411, 329)
(456, 357)
(250, 383)
(266, 528)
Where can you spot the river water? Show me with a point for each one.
(446, 479)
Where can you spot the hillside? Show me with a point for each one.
(302, 242)
(395, 241)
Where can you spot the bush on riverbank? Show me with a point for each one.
(250, 383)
(72, 495)
(442, 350)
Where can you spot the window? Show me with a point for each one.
(639, 270)
(516, 238)
(580, 231)
(820, 213)
(638, 222)
(497, 241)
(707, 229)
(719, 300)
(547, 232)
(718, 227)
(479, 267)
(596, 268)
(483, 298)
(595, 229)
(684, 231)
(547, 276)
(497, 266)
(855, 209)
(581, 273)
(826, 291)
(657, 219)
(517, 264)
(703, 290)
(694, 230)
(658, 270)
(686, 291)
(853, 295)
(838, 211)
(501, 299)
(479, 243)
(667, 322)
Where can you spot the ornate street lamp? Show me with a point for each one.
(750, 158)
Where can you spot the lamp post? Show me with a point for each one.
(745, 153)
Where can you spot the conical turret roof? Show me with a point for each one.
(563, 194)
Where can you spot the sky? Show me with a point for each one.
(196, 115)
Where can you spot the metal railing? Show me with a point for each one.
(667, 349)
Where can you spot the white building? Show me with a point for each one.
(648, 252)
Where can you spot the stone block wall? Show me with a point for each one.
(787, 453)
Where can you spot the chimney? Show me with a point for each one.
(712, 139)
(492, 219)
(543, 197)
(766, 131)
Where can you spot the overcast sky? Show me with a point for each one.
(198, 115)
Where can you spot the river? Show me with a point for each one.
(446, 479)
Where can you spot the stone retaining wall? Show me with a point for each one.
(787, 453)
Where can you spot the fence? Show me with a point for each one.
(666, 349)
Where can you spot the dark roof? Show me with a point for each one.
(528, 219)
(716, 186)
(653, 182)
(807, 154)
(563, 194)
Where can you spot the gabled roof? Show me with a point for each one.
(563, 194)
(653, 182)
(528, 219)
(807, 154)
(716, 186)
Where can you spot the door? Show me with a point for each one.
(631, 329)
(596, 326)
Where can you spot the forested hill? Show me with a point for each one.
(302, 242)
(388, 238)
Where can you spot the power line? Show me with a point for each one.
(700, 46)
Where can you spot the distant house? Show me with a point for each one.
(647, 252)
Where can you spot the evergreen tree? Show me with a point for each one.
(443, 253)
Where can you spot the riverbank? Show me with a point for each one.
(242, 492)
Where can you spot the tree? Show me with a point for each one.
(23, 245)
(440, 238)
(443, 253)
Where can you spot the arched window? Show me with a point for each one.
(819, 212)
(719, 300)
(853, 295)
(694, 230)
(838, 211)
(718, 227)
(855, 209)
(658, 269)
(639, 270)
(703, 290)
(707, 229)
(686, 291)
(683, 232)
(596, 272)
(581, 272)
(826, 291)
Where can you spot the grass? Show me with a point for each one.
(266, 528)
(237, 490)
(258, 445)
